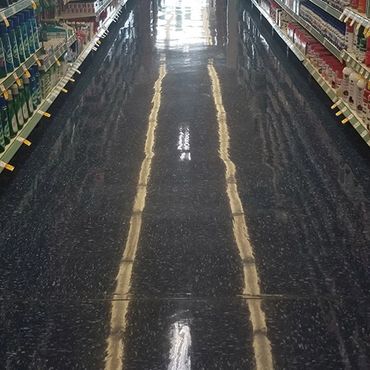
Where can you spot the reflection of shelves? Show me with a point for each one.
(17, 142)
(353, 15)
(350, 115)
(360, 68)
(328, 8)
(316, 34)
(51, 59)
(10, 79)
(280, 32)
(15, 8)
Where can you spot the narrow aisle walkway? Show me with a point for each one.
(193, 205)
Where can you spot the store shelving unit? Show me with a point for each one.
(41, 111)
(328, 8)
(350, 115)
(277, 29)
(317, 35)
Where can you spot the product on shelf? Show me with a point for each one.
(324, 23)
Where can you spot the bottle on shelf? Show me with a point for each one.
(19, 38)
(14, 44)
(4, 35)
(347, 71)
(3, 71)
(4, 119)
(28, 94)
(23, 102)
(35, 86)
(29, 26)
(35, 30)
(12, 115)
(18, 106)
(23, 25)
(353, 79)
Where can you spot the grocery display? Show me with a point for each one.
(332, 40)
(42, 45)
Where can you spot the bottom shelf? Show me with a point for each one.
(343, 108)
(12, 148)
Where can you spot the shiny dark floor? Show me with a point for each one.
(302, 180)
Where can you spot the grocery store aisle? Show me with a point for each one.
(192, 205)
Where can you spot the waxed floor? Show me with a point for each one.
(192, 204)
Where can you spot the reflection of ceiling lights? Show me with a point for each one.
(183, 144)
(185, 22)
(180, 341)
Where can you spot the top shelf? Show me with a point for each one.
(15, 8)
(328, 8)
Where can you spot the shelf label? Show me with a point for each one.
(4, 91)
(16, 78)
(6, 166)
(64, 90)
(72, 79)
(23, 141)
(45, 114)
(57, 61)
(346, 120)
(5, 19)
(37, 60)
(26, 72)
(34, 6)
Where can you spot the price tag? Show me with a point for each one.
(357, 124)
(26, 72)
(45, 114)
(5, 19)
(7, 166)
(16, 78)
(64, 90)
(57, 61)
(23, 141)
(34, 6)
(37, 60)
(346, 120)
(5, 92)
(335, 105)
(72, 80)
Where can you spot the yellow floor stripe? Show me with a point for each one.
(261, 343)
(115, 345)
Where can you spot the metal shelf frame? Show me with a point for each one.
(343, 108)
(18, 140)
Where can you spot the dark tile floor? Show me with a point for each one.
(302, 180)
